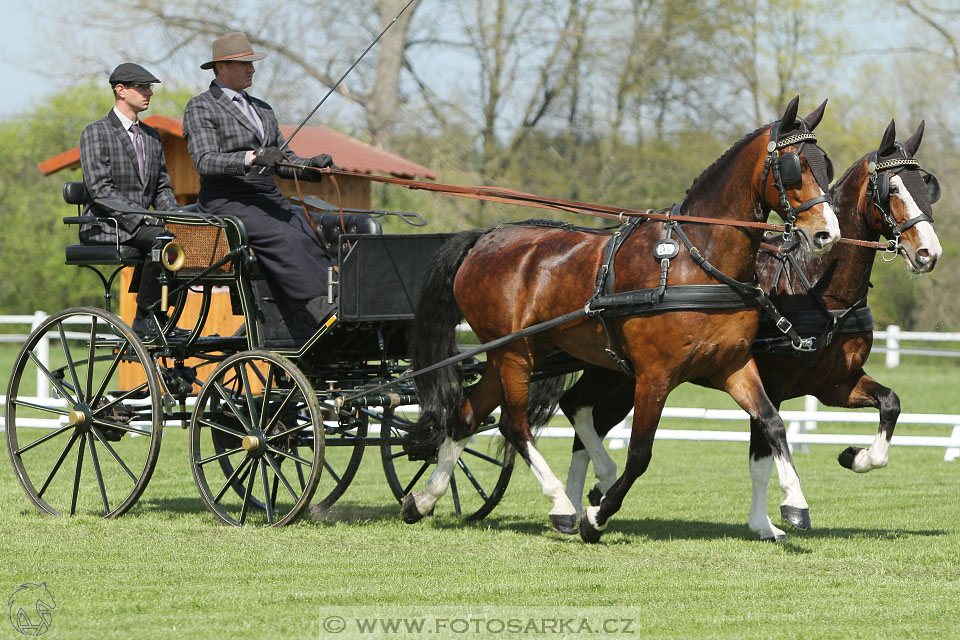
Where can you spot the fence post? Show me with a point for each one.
(43, 354)
(810, 405)
(893, 346)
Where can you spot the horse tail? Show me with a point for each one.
(434, 338)
(544, 398)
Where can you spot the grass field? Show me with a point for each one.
(883, 559)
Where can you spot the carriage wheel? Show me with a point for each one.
(343, 451)
(269, 437)
(92, 446)
(479, 479)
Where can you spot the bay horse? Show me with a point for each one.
(513, 277)
(884, 193)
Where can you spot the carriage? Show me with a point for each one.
(274, 423)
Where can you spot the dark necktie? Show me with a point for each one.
(247, 110)
(138, 147)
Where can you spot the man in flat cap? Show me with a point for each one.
(234, 140)
(122, 160)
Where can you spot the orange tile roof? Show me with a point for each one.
(348, 152)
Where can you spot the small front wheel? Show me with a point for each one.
(256, 440)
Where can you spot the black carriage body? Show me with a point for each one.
(380, 275)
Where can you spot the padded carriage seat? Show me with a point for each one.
(360, 223)
(76, 193)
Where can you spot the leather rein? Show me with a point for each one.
(510, 196)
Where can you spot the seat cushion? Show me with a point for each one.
(329, 225)
(101, 254)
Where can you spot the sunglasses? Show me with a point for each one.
(142, 86)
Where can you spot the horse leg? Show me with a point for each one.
(745, 387)
(484, 398)
(646, 416)
(867, 392)
(515, 378)
(761, 468)
(594, 405)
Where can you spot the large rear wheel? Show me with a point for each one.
(83, 414)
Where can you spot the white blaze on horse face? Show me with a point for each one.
(928, 250)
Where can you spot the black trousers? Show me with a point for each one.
(146, 279)
(287, 248)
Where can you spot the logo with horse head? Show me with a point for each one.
(31, 609)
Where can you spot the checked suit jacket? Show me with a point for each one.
(110, 170)
(219, 136)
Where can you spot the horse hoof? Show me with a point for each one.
(780, 537)
(847, 455)
(589, 533)
(594, 497)
(799, 518)
(408, 508)
(566, 524)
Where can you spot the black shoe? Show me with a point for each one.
(321, 310)
(146, 328)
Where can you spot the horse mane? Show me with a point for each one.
(846, 174)
(707, 173)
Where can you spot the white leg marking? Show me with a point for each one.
(591, 516)
(603, 464)
(552, 487)
(440, 480)
(576, 477)
(759, 522)
(790, 484)
(875, 457)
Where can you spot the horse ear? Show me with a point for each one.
(913, 143)
(790, 115)
(889, 138)
(815, 116)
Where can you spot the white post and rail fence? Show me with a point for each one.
(800, 423)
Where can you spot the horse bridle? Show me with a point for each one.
(788, 170)
(878, 193)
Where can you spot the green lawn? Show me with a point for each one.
(883, 559)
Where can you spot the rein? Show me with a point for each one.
(510, 196)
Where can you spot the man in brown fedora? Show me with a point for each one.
(234, 141)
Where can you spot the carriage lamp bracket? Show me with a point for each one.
(331, 294)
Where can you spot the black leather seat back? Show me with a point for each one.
(76, 193)
(329, 225)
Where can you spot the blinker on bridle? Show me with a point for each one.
(788, 170)
(878, 195)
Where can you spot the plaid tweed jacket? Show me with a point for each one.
(219, 136)
(110, 170)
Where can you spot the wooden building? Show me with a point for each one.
(348, 152)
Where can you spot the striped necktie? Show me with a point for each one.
(247, 109)
(138, 147)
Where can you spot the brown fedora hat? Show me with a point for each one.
(233, 47)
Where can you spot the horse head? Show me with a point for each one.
(796, 178)
(897, 196)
